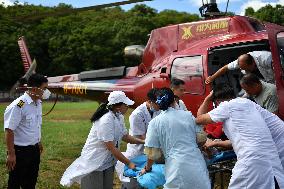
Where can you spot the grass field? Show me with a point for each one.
(64, 132)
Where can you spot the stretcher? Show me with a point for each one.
(221, 163)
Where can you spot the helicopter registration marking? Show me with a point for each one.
(80, 89)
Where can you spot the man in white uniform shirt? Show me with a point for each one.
(258, 164)
(256, 62)
(177, 86)
(139, 120)
(22, 124)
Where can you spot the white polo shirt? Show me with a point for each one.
(139, 121)
(263, 61)
(24, 117)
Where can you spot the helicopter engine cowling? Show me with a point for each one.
(134, 51)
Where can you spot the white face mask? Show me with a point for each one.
(46, 94)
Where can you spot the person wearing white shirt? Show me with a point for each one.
(138, 120)
(264, 94)
(177, 86)
(276, 127)
(257, 62)
(95, 167)
(258, 164)
(174, 132)
(22, 124)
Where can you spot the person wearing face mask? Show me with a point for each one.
(138, 120)
(95, 167)
(22, 124)
(174, 133)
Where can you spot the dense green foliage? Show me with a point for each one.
(268, 13)
(77, 42)
(87, 40)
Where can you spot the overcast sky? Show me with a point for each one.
(191, 6)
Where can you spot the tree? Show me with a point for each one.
(249, 11)
(268, 13)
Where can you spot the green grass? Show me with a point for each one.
(64, 132)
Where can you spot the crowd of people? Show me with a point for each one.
(162, 128)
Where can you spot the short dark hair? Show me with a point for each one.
(249, 79)
(166, 98)
(152, 94)
(36, 80)
(223, 92)
(248, 59)
(175, 82)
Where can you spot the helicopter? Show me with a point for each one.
(188, 51)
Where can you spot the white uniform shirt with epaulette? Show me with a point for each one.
(24, 117)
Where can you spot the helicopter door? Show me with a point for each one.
(276, 40)
(190, 70)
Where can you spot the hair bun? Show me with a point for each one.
(165, 98)
(163, 102)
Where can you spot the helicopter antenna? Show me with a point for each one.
(210, 9)
(227, 7)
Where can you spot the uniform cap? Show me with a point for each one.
(116, 97)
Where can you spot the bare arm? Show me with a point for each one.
(203, 109)
(203, 119)
(148, 166)
(218, 143)
(132, 140)
(220, 72)
(11, 156)
(142, 137)
(118, 155)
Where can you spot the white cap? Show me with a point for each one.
(117, 97)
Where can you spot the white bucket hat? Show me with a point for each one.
(117, 97)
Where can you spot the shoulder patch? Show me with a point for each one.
(21, 104)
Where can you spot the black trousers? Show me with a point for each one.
(25, 172)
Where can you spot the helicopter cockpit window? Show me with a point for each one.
(280, 43)
(190, 70)
(257, 26)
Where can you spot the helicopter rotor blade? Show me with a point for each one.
(25, 78)
(31, 70)
(67, 11)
